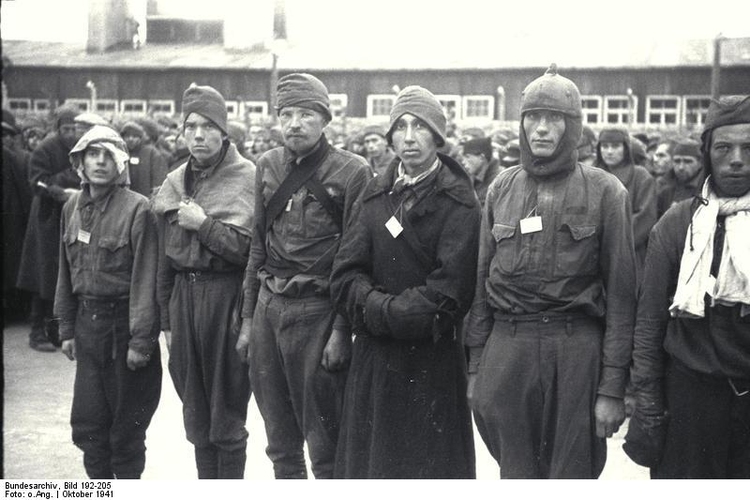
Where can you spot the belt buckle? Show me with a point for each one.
(737, 393)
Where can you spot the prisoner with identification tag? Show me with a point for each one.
(404, 277)
(550, 331)
(106, 302)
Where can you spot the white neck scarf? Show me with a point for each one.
(732, 285)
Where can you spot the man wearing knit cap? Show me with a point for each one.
(550, 330)
(404, 276)
(379, 153)
(53, 181)
(147, 166)
(204, 213)
(297, 347)
(587, 146)
(685, 179)
(106, 303)
(691, 358)
(479, 162)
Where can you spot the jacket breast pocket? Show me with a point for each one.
(577, 251)
(114, 254)
(77, 253)
(508, 252)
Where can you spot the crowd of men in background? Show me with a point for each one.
(374, 287)
(157, 146)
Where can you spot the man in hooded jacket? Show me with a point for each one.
(105, 299)
(550, 330)
(614, 153)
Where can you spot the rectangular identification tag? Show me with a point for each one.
(84, 236)
(289, 205)
(394, 226)
(531, 225)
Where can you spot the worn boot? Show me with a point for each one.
(207, 462)
(232, 464)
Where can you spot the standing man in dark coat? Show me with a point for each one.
(615, 155)
(52, 180)
(404, 276)
(147, 166)
(691, 358)
(477, 159)
(297, 346)
(205, 215)
(16, 203)
(551, 328)
(686, 178)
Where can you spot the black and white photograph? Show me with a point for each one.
(398, 240)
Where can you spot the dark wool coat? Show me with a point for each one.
(405, 411)
(16, 204)
(49, 163)
(148, 169)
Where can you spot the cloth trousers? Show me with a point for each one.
(708, 435)
(112, 405)
(208, 374)
(298, 399)
(534, 397)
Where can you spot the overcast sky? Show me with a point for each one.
(414, 25)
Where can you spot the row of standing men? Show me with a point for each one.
(273, 270)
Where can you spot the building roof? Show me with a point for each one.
(447, 56)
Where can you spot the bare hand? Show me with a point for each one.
(337, 352)
(167, 337)
(137, 360)
(471, 382)
(243, 342)
(609, 413)
(190, 215)
(69, 348)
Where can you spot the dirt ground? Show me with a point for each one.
(36, 430)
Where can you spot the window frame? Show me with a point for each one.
(127, 102)
(108, 111)
(19, 100)
(663, 112)
(489, 99)
(338, 111)
(162, 102)
(606, 110)
(702, 114)
(84, 105)
(454, 98)
(371, 98)
(599, 110)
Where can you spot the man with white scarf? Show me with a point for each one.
(691, 357)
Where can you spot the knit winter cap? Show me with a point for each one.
(373, 130)
(724, 111)
(103, 137)
(65, 115)
(588, 136)
(615, 134)
(132, 128)
(420, 102)
(303, 90)
(207, 102)
(686, 147)
(481, 146)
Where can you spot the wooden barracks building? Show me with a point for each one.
(647, 85)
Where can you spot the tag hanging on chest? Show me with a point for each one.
(394, 226)
(84, 236)
(531, 225)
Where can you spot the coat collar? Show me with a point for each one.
(452, 180)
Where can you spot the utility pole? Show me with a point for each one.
(92, 91)
(716, 68)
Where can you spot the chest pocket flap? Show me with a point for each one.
(503, 232)
(580, 232)
(114, 254)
